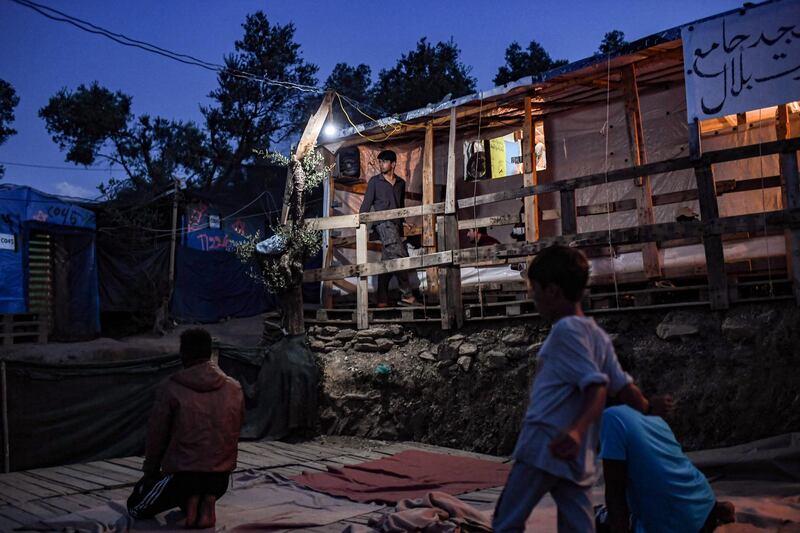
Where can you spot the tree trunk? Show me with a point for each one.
(292, 304)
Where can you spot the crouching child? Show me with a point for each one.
(192, 438)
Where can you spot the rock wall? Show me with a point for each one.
(735, 376)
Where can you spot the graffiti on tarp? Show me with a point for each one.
(65, 214)
(239, 226)
(215, 242)
(223, 238)
(9, 222)
(195, 219)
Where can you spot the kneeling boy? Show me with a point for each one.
(192, 438)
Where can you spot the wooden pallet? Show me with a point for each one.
(45, 493)
(23, 328)
(409, 314)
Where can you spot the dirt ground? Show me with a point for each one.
(733, 374)
(240, 332)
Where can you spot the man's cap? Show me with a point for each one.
(388, 155)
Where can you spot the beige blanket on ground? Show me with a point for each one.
(436, 512)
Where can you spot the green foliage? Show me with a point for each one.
(425, 75)
(8, 101)
(278, 274)
(529, 62)
(313, 166)
(612, 42)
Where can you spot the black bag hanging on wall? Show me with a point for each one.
(349, 161)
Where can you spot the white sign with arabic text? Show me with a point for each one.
(743, 61)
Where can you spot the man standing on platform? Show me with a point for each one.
(388, 191)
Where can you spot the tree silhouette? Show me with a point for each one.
(529, 62)
(425, 75)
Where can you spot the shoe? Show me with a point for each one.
(208, 512)
(407, 300)
(192, 504)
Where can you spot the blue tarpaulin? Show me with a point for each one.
(24, 210)
(210, 287)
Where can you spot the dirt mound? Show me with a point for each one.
(733, 375)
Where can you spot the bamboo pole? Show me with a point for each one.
(6, 447)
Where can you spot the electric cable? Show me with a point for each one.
(612, 251)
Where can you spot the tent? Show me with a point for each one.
(47, 261)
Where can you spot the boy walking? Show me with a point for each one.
(576, 369)
(192, 438)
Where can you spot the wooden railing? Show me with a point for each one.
(710, 228)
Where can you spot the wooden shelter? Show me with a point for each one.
(673, 202)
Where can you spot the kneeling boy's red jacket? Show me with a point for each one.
(195, 422)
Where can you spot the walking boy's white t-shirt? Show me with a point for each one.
(576, 354)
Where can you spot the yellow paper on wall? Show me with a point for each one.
(497, 157)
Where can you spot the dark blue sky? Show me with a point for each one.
(40, 56)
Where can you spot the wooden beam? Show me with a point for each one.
(403, 212)
(407, 263)
(450, 301)
(709, 213)
(773, 220)
(327, 287)
(529, 177)
(355, 188)
(450, 187)
(307, 141)
(334, 222)
(709, 158)
(669, 231)
(569, 219)
(649, 169)
(487, 222)
(362, 289)
(791, 199)
(429, 221)
(644, 192)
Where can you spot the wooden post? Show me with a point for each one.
(791, 199)
(529, 177)
(569, 219)
(172, 244)
(327, 286)
(709, 212)
(644, 192)
(450, 276)
(291, 300)
(450, 188)
(362, 290)
(429, 221)
(450, 300)
(6, 446)
(307, 141)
